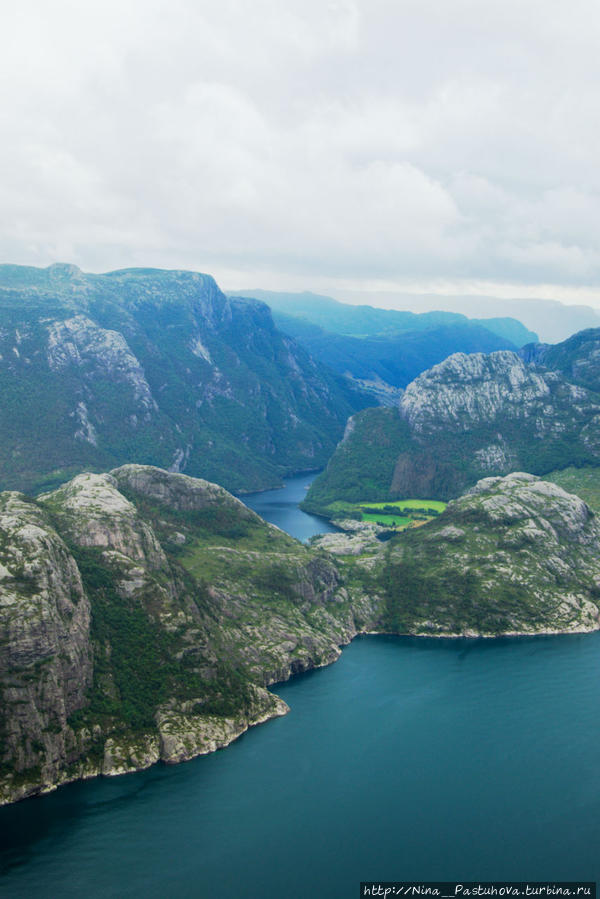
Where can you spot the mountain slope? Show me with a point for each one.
(552, 320)
(157, 367)
(468, 417)
(144, 613)
(395, 359)
(514, 555)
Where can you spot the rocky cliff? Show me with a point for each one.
(144, 614)
(515, 555)
(155, 367)
(470, 416)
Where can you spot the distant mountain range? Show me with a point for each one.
(369, 321)
(394, 359)
(383, 348)
(469, 417)
(157, 367)
(552, 320)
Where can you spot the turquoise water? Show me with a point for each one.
(406, 759)
(280, 507)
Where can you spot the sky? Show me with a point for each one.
(421, 146)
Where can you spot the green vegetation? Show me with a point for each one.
(438, 444)
(397, 514)
(584, 482)
(155, 367)
(138, 664)
(431, 506)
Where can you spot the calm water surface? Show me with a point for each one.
(280, 507)
(406, 759)
(414, 759)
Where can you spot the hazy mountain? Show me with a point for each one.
(395, 358)
(551, 319)
(364, 321)
(157, 367)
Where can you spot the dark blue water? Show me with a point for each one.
(406, 759)
(413, 759)
(280, 507)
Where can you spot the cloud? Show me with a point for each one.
(343, 140)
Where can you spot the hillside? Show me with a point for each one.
(155, 367)
(469, 417)
(395, 358)
(144, 613)
(514, 555)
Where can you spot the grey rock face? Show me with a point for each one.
(45, 654)
(87, 568)
(531, 551)
(465, 389)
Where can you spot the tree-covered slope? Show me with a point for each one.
(155, 367)
(469, 417)
(395, 359)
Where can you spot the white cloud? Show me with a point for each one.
(404, 142)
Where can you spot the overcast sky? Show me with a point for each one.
(434, 144)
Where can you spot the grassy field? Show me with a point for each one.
(415, 505)
(584, 482)
(393, 521)
(400, 514)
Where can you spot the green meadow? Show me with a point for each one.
(415, 505)
(398, 514)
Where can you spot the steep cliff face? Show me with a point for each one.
(45, 653)
(156, 367)
(471, 416)
(143, 614)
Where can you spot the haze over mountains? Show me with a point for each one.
(550, 319)
(368, 321)
(385, 348)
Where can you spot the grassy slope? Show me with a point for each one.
(584, 482)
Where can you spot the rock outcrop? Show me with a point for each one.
(514, 555)
(470, 416)
(143, 614)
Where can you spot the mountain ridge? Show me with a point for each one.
(468, 417)
(158, 367)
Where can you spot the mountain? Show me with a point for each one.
(469, 417)
(368, 321)
(394, 359)
(552, 320)
(156, 367)
(144, 613)
(514, 555)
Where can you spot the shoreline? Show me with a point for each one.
(229, 729)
